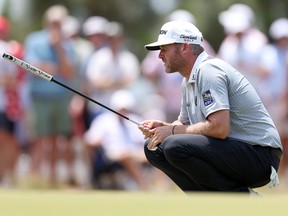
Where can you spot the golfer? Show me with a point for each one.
(223, 139)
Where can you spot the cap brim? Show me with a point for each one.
(152, 48)
(156, 45)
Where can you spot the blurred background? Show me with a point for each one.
(50, 138)
(140, 18)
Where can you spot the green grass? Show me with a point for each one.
(86, 203)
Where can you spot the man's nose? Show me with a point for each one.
(160, 55)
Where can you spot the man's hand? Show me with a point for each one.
(157, 131)
(147, 127)
(160, 133)
(55, 34)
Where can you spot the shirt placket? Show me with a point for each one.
(190, 100)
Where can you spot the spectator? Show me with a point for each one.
(50, 51)
(243, 42)
(19, 100)
(83, 48)
(78, 106)
(9, 148)
(94, 31)
(120, 140)
(112, 67)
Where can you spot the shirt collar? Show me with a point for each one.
(195, 69)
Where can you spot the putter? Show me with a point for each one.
(50, 78)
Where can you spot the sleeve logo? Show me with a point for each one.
(207, 98)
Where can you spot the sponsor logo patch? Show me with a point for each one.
(207, 98)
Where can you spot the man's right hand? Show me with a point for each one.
(147, 127)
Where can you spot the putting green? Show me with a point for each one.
(86, 203)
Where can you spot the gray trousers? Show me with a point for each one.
(201, 163)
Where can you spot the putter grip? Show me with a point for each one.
(28, 67)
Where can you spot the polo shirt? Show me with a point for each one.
(39, 50)
(215, 85)
(6, 69)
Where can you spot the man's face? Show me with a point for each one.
(97, 39)
(172, 57)
(282, 42)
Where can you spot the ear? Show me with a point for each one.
(185, 47)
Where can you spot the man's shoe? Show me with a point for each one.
(253, 193)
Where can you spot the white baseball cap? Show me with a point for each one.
(122, 99)
(181, 14)
(70, 26)
(279, 28)
(237, 18)
(94, 25)
(177, 31)
(55, 13)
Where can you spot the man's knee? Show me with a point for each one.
(155, 157)
(148, 153)
(173, 149)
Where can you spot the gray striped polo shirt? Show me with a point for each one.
(215, 85)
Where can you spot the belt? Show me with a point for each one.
(276, 152)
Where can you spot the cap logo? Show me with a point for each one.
(163, 32)
(188, 38)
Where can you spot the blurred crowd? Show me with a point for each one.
(52, 137)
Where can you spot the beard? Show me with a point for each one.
(174, 64)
